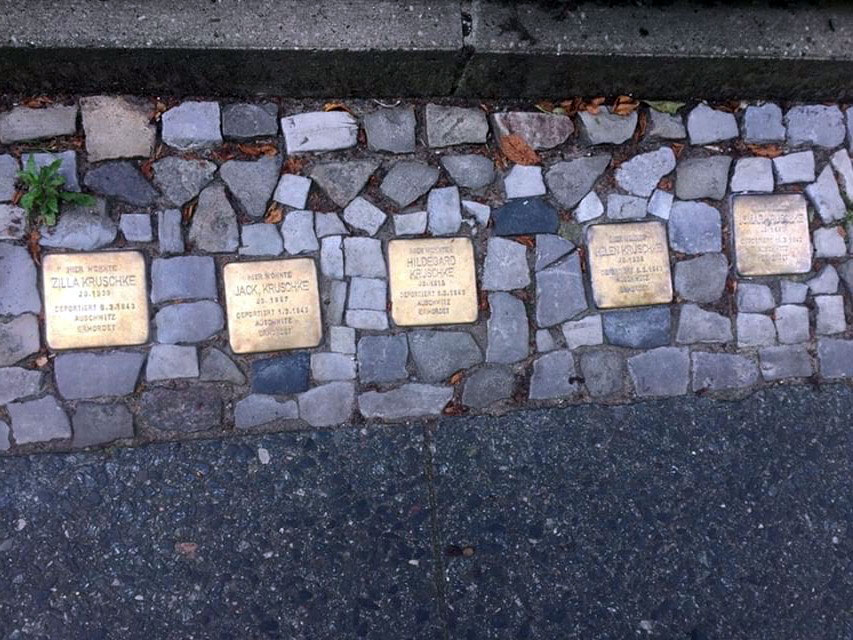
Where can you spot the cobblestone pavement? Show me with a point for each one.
(673, 518)
(195, 185)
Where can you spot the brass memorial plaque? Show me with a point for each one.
(771, 234)
(629, 264)
(432, 281)
(272, 305)
(95, 299)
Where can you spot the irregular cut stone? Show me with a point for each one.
(792, 323)
(382, 358)
(328, 367)
(605, 127)
(505, 267)
(342, 340)
(439, 354)
(182, 180)
(755, 329)
(243, 121)
(603, 372)
(292, 190)
(67, 166)
(777, 363)
(410, 224)
(121, 180)
(794, 292)
(214, 224)
(189, 322)
(641, 174)
(794, 167)
(252, 182)
(281, 374)
(364, 258)
(343, 181)
(560, 293)
(589, 208)
(18, 290)
(482, 213)
(660, 372)
(753, 175)
(17, 382)
(9, 168)
(367, 319)
(524, 182)
(298, 233)
(638, 328)
(185, 410)
(694, 227)
(136, 227)
(825, 282)
(4, 436)
(257, 409)
(846, 272)
(260, 240)
(444, 211)
(550, 248)
(763, 124)
(815, 124)
(170, 237)
(447, 126)
(840, 161)
(391, 130)
(412, 400)
(183, 278)
(23, 123)
(830, 315)
(570, 181)
(38, 420)
(471, 171)
(19, 338)
(117, 127)
(507, 328)
(545, 341)
(702, 178)
(706, 125)
(524, 217)
(95, 375)
(697, 325)
(192, 125)
(334, 299)
(80, 228)
(665, 126)
(721, 371)
(407, 181)
(538, 130)
(329, 224)
(96, 424)
(829, 243)
(368, 293)
(551, 376)
(327, 405)
(701, 279)
(835, 356)
(487, 386)
(169, 361)
(332, 257)
(622, 207)
(13, 222)
(825, 197)
(218, 367)
(754, 298)
(319, 131)
(584, 332)
(364, 215)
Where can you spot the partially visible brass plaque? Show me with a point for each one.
(272, 305)
(432, 281)
(771, 234)
(95, 299)
(629, 263)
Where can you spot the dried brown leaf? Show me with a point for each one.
(456, 378)
(516, 149)
(258, 150)
(336, 106)
(33, 245)
(189, 211)
(453, 409)
(624, 106)
(274, 214)
(37, 102)
(765, 150)
(527, 241)
(41, 361)
(147, 169)
(677, 148)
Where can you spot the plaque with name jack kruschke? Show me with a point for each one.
(771, 234)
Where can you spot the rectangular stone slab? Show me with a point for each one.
(629, 264)
(95, 299)
(272, 305)
(432, 281)
(771, 234)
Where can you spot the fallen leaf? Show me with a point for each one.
(37, 102)
(624, 106)
(258, 150)
(274, 214)
(147, 169)
(483, 301)
(294, 164)
(765, 150)
(665, 106)
(730, 106)
(336, 106)
(665, 183)
(527, 241)
(677, 148)
(16, 197)
(33, 245)
(189, 211)
(545, 106)
(41, 361)
(642, 124)
(223, 154)
(518, 151)
(187, 549)
(456, 378)
(592, 106)
(523, 295)
(454, 409)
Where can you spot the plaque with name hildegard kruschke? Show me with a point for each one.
(272, 305)
(95, 299)
(629, 264)
(432, 281)
(771, 234)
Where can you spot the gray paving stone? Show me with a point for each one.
(439, 354)
(218, 367)
(67, 166)
(753, 175)
(835, 356)
(183, 278)
(448, 126)
(840, 161)
(763, 124)
(829, 242)
(505, 267)
(482, 213)
(665, 126)
(507, 328)
(641, 174)
(721, 371)
(407, 181)
(638, 328)
(19, 338)
(169, 361)
(281, 375)
(363, 257)
(697, 325)
(701, 279)
(410, 224)
(117, 127)
(136, 227)
(412, 400)
(335, 300)
(95, 424)
(297, 229)
(39, 421)
(257, 409)
(571, 180)
(589, 208)
(545, 341)
(622, 207)
(181, 180)
(22, 123)
(18, 290)
(846, 272)
(849, 117)
(169, 234)
(189, 322)
(754, 329)
(260, 240)
(368, 293)
(825, 282)
(794, 292)
(754, 298)
(830, 315)
(539, 130)
(560, 293)
(13, 222)
(329, 224)
(487, 386)
(444, 211)
(319, 131)
(382, 358)
(660, 372)
(706, 125)
(327, 405)
(80, 228)
(94, 375)
(524, 182)
(252, 182)
(364, 216)
(182, 410)
(122, 180)
(781, 362)
(826, 198)
(794, 167)
(343, 181)
(17, 383)
(342, 340)
(367, 319)
(4, 436)
(792, 323)
(694, 227)
(292, 190)
(243, 121)
(815, 124)
(9, 167)
(332, 257)
(192, 125)
(471, 171)
(603, 372)
(587, 331)
(330, 367)
(551, 376)
(391, 130)
(550, 248)
(605, 127)
(525, 216)
(702, 178)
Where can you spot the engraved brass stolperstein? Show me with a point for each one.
(771, 234)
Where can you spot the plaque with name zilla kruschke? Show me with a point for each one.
(771, 234)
